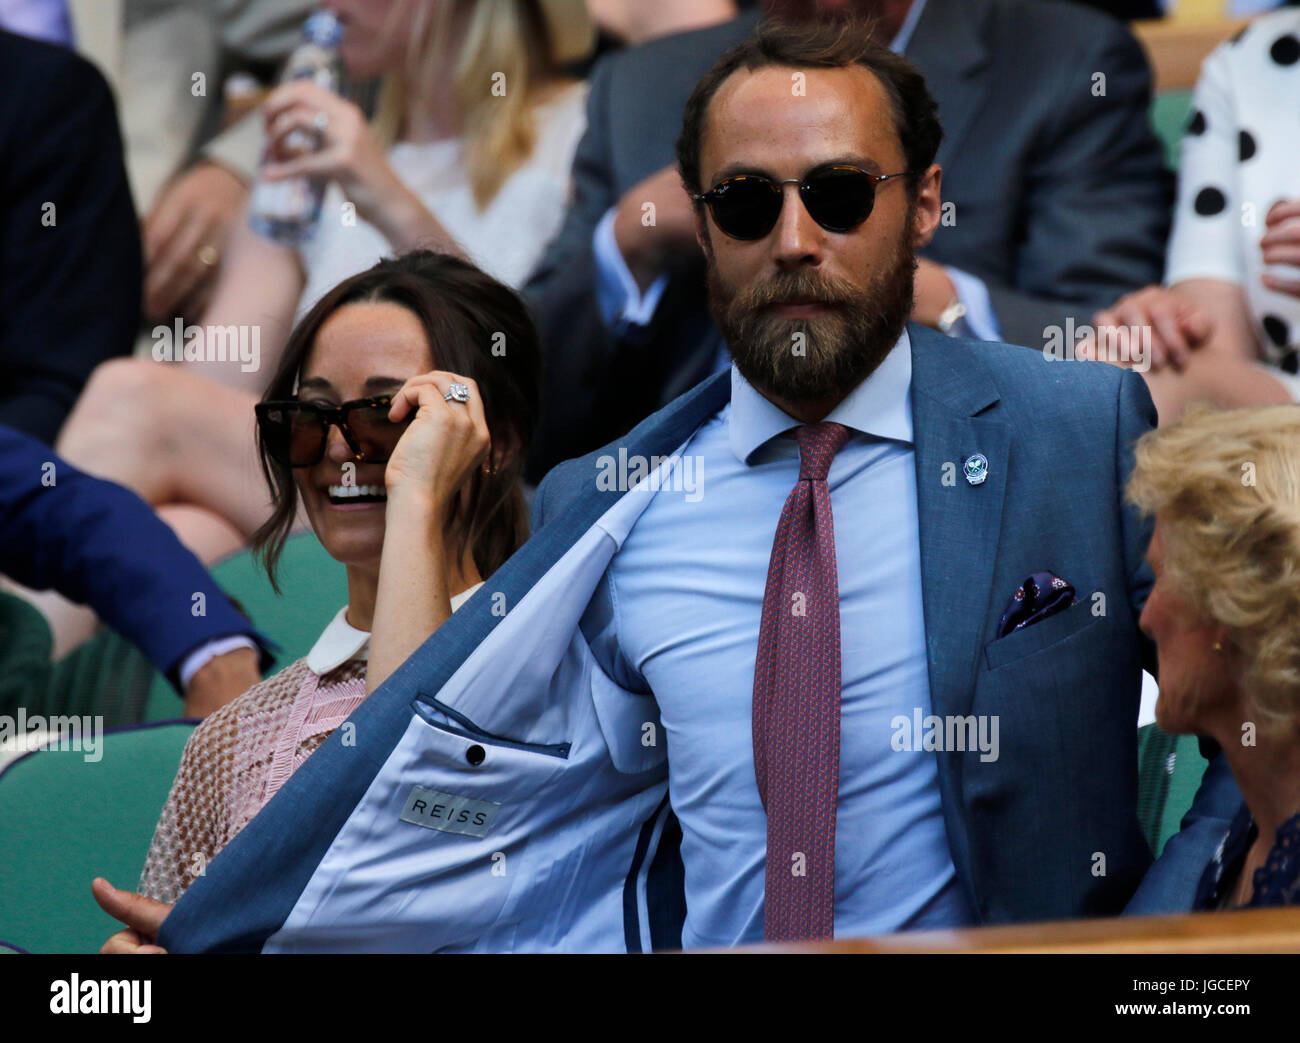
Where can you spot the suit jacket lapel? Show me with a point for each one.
(947, 45)
(959, 522)
(959, 528)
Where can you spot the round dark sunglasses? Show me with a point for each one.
(837, 196)
(296, 432)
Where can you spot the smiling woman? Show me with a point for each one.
(398, 418)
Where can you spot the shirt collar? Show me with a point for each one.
(341, 642)
(880, 406)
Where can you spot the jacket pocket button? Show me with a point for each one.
(475, 755)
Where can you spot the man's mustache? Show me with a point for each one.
(800, 288)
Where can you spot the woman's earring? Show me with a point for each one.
(1218, 646)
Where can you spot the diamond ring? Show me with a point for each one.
(321, 122)
(457, 393)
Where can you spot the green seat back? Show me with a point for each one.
(1169, 773)
(1170, 111)
(106, 676)
(110, 678)
(65, 820)
(25, 645)
(314, 586)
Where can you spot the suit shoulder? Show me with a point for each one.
(565, 481)
(647, 61)
(50, 69)
(1058, 20)
(1070, 39)
(1034, 377)
(50, 93)
(562, 483)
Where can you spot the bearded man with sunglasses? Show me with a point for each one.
(708, 719)
(1056, 197)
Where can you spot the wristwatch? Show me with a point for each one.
(950, 316)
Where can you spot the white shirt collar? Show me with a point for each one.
(340, 641)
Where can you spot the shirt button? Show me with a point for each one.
(475, 755)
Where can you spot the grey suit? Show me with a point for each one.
(1061, 195)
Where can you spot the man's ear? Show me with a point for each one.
(929, 207)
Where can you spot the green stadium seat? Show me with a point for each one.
(66, 820)
(1169, 772)
(110, 678)
(1170, 111)
(314, 587)
(25, 643)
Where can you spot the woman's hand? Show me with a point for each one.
(348, 153)
(184, 235)
(1177, 326)
(1281, 244)
(443, 445)
(142, 916)
(429, 466)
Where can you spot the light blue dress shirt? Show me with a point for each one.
(623, 306)
(677, 615)
(37, 19)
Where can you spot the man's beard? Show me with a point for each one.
(838, 349)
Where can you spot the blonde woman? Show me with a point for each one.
(469, 153)
(1224, 489)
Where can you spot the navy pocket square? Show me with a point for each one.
(1039, 596)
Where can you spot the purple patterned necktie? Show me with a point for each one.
(797, 701)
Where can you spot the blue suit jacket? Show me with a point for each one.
(1047, 831)
(99, 544)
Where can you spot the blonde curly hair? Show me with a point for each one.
(1225, 487)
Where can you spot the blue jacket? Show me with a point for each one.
(99, 544)
(504, 716)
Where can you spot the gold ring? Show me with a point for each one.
(209, 256)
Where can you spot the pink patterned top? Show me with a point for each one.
(241, 755)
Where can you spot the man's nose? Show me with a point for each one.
(798, 237)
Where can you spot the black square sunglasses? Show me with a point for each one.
(296, 432)
(839, 197)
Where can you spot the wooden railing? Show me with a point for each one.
(1244, 931)
(1176, 50)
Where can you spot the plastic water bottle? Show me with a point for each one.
(287, 211)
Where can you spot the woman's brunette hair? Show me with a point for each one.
(476, 327)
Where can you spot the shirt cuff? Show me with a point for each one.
(198, 659)
(622, 304)
(971, 291)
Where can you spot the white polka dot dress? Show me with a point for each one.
(1240, 155)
